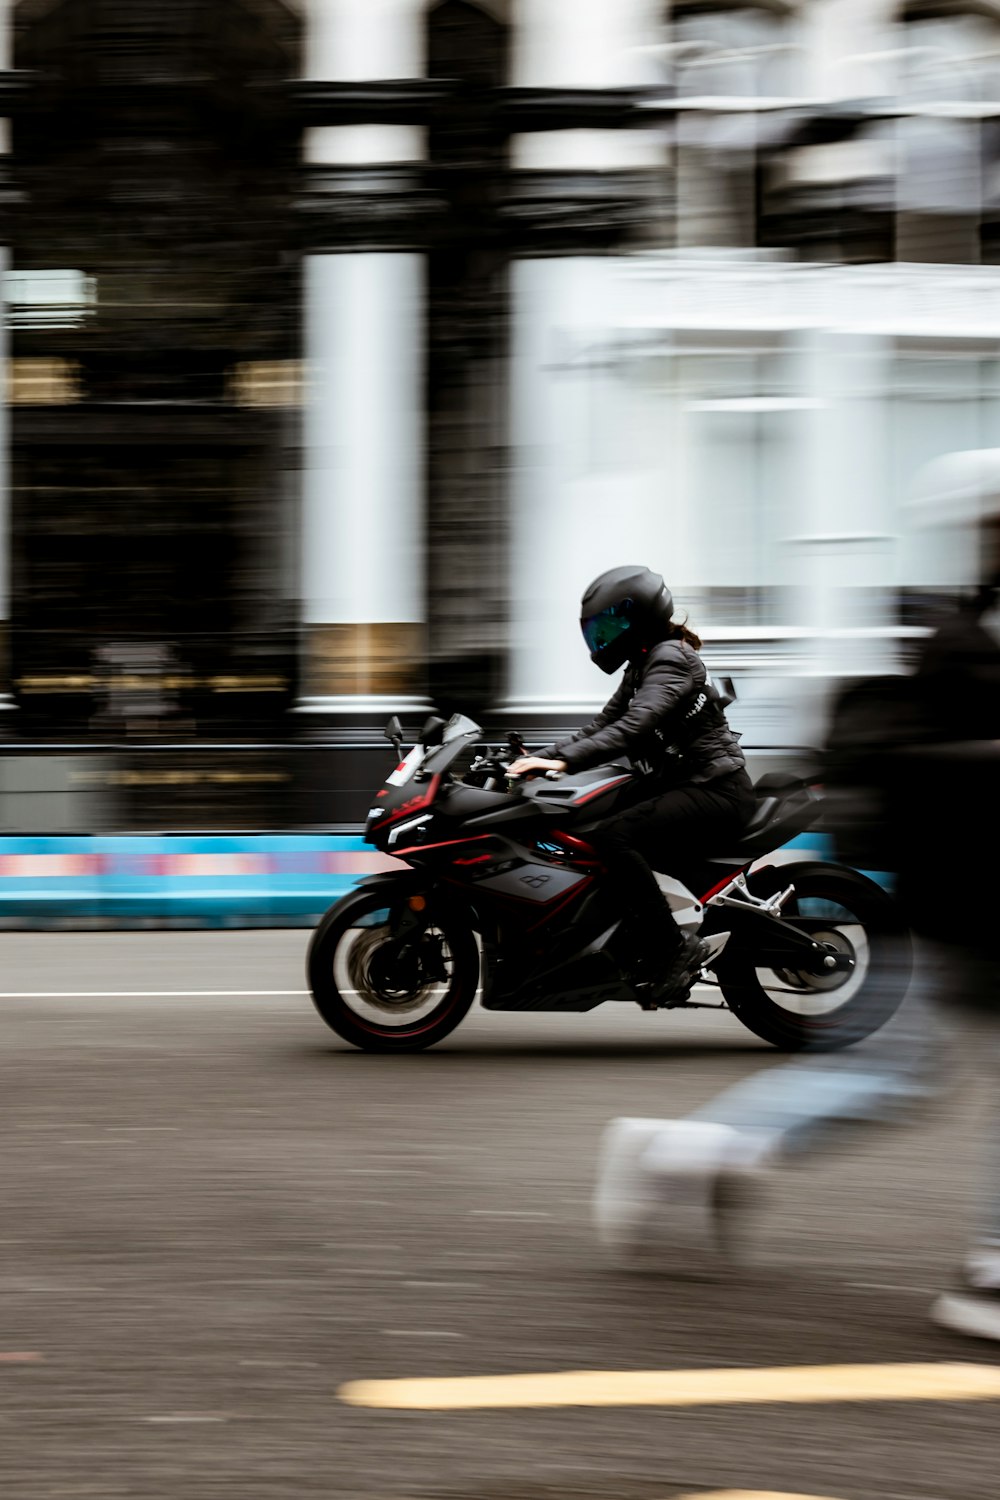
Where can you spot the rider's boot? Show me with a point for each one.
(665, 972)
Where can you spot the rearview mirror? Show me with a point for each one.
(726, 689)
(432, 732)
(394, 730)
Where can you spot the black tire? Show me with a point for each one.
(330, 948)
(870, 997)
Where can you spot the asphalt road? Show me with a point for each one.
(213, 1215)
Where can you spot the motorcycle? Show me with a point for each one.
(499, 891)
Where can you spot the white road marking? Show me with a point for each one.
(895, 1287)
(420, 1333)
(506, 1213)
(56, 1291)
(451, 1286)
(366, 1271)
(358, 1249)
(183, 1418)
(144, 995)
(384, 1172)
(91, 1140)
(280, 1364)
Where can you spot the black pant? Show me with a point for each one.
(666, 833)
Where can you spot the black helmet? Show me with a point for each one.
(624, 611)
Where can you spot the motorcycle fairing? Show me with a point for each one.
(516, 870)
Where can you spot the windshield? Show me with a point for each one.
(457, 727)
(458, 734)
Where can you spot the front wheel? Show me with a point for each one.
(795, 1009)
(383, 993)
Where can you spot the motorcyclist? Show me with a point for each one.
(666, 717)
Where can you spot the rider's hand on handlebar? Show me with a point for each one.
(529, 765)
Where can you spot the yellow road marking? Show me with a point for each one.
(750, 1495)
(795, 1383)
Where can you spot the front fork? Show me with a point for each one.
(408, 924)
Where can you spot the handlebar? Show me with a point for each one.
(492, 765)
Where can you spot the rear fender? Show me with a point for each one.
(768, 880)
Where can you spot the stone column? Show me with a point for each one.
(585, 44)
(578, 191)
(849, 47)
(363, 286)
(844, 551)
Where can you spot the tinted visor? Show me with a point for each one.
(601, 631)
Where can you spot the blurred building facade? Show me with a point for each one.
(348, 339)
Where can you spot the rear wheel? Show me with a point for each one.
(384, 995)
(794, 1008)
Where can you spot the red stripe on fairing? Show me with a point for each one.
(411, 808)
(472, 838)
(726, 880)
(600, 790)
(585, 853)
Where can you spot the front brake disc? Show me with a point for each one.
(372, 980)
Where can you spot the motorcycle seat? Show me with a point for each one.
(769, 790)
(786, 806)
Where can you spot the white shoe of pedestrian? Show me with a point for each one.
(678, 1192)
(973, 1307)
(625, 1194)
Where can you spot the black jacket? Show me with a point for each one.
(663, 714)
(913, 783)
(958, 679)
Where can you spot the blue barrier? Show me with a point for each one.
(205, 881)
(240, 880)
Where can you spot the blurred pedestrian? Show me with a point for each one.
(917, 759)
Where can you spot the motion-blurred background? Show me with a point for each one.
(347, 340)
